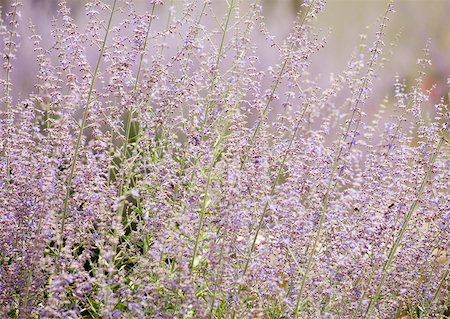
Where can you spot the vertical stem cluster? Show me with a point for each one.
(272, 190)
(219, 56)
(76, 150)
(130, 111)
(7, 88)
(205, 118)
(273, 90)
(399, 237)
(338, 154)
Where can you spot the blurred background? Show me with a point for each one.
(342, 22)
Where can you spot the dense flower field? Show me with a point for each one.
(173, 176)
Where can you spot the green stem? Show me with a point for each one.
(396, 243)
(204, 205)
(317, 236)
(441, 282)
(218, 279)
(369, 281)
(131, 109)
(272, 93)
(7, 96)
(372, 61)
(80, 132)
(272, 191)
(218, 274)
(219, 55)
(211, 164)
(326, 199)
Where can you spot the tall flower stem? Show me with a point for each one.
(205, 118)
(338, 154)
(203, 210)
(131, 108)
(399, 237)
(6, 91)
(26, 296)
(219, 56)
(439, 287)
(378, 179)
(245, 157)
(81, 130)
(272, 191)
(274, 89)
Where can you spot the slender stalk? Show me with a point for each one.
(202, 213)
(272, 191)
(378, 179)
(81, 130)
(218, 273)
(30, 275)
(396, 243)
(255, 133)
(129, 120)
(361, 299)
(326, 199)
(183, 69)
(206, 191)
(169, 18)
(277, 176)
(194, 171)
(131, 109)
(219, 56)
(7, 97)
(197, 23)
(318, 233)
(439, 287)
(25, 299)
(441, 284)
(335, 163)
(272, 92)
(372, 60)
(218, 279)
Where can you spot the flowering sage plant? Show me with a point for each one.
(159, 169)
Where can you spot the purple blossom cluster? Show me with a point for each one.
(158, 170)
